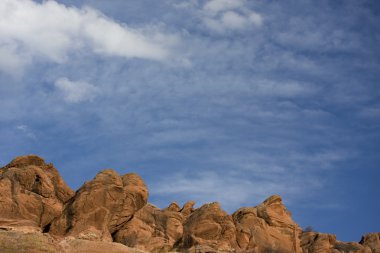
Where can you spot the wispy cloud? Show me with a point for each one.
(229, 187)
(223, 16)
(275, 98)
(52, 31)
(76, 91)
(24, 129)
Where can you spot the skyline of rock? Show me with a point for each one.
(114, 209)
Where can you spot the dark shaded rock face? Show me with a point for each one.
(32, 193)
(113, 208)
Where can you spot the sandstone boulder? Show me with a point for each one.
(267, 228)
(152, 229)
(371, 241)
(188, 208)
(174, 207)
(102, 206)
(210, 227)
(314, 242)
(32, 193)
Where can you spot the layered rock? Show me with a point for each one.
(102, 206)
(267, 228)
(372, 241)
(32, 193)
(314, 242)
(209, 226)
(188, 208)
(152, 229)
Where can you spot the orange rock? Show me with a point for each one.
(152, 229)
(174, 207)
(209, 226)
(32, 193)
(188, 208)
(371, 241)
(102, 206)
(34, 198)
(314, 242)
(267, 228)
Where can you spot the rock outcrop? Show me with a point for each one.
(32, 193)
(102, 206)
(313, 242)
(40, 213)
(372, 241)
(209, 226)
(152, 229)
(267, 228)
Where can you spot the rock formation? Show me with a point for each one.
(209, 226)
(102, 206)
(32, 193)
(110, 214)
(152, 229)
(267, 228)
(313, 242)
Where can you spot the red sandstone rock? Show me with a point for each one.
(314, 242)
(32, 193)
(102, 206)
(152, 229)
(111, 207)
(188, 208)
(267, 228)
(209, 226)
(372, 241)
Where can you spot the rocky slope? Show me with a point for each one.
(40, 213)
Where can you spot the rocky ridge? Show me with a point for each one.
(40, 213)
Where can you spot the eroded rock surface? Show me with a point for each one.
(32, 193)
(372, 241)
(110, 214)
(209, 226)
(152, 229)
(314, 242)
(102, 206)
(267, 228)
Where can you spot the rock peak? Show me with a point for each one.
(26, 160)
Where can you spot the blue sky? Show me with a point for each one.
(208, 100)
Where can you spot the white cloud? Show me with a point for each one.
(51, 31)
(76, 91)
(283, 89)
(10, 61)
(224, 16)
(26, 131)
(222, 5)
(229, 189)
(229, 15)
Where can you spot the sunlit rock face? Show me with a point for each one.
(152, 229)
(102, 206)
(32, 193)
(209, 226)
(314, 242)
(111, 214)
(267, 227)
